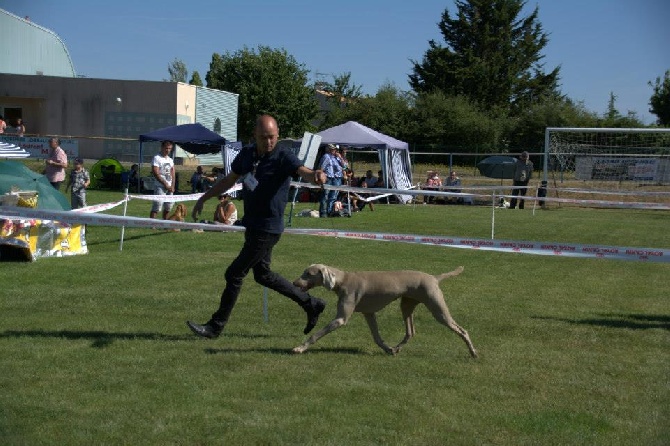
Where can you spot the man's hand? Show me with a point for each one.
(197, 209)
(320, 177)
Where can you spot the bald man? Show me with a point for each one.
(266, 173)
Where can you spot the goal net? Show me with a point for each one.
(635, 163)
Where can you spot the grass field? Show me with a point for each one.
(572, 351)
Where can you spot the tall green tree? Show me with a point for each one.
(492, 56)
(196, 79)
(178, 71)
(660, 100)
(267, 81)
(614, 119)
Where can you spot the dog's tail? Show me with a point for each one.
(453, 273)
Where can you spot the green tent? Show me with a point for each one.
(106, 174)
(15, 175)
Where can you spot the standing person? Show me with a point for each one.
(522, 174)
(162, 167)
(333, 166)
(78, 182)
(20, 127)
(3, 124)
(266, 171)
(56, 163)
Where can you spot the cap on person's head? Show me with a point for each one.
(331, 147)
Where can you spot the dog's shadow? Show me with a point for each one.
(629, 321)
(282, 351)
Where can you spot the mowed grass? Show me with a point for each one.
(572, 351)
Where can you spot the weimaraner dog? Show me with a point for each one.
(368, 292)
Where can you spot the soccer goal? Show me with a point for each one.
(633, 162)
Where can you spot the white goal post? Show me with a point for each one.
(606, 167)
(608, 157)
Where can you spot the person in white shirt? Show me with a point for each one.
(162, 168)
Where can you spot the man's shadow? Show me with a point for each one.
(102, 339)
(630, 321)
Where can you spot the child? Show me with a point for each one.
(78, 182)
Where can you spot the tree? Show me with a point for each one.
(388, 111)
(267, 81)
(614, 119)
(454, 122)
(195, 79)
(338, 97)
(178, 71)
(527, 129)
(660, 100)
(492, 57)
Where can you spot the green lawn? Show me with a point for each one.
(572, 351)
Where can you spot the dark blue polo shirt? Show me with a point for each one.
(264, 206)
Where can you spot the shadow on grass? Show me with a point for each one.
(629, 321)
(282, 351)
(127, 238)
(102, 339)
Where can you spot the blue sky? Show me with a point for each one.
(602, 46)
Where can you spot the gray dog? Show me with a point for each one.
(368, 292)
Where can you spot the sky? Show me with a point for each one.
(602, 46)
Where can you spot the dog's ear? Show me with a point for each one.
(328, 277)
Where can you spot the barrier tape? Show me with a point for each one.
(652, 255)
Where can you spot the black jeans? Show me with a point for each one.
(521, 192)
(256, 254)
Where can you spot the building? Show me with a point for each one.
(104, 117)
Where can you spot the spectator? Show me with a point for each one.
(522, 174)
(196, 180)
(433, 183)
(134, 180)
(266, 171)
(369, 180)
(453, 184)
(3, 125)
(162, 168)
(333, 166)
(208, 180)
(226, 212)
(20, 127)
(56, 163)
(78, 182)
(380, 180)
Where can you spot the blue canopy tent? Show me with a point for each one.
(195, 138)
(393, 153)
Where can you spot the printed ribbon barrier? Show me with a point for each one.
(525, 247)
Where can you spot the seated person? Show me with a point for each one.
(454, 180)
(226, 212)
(380, 180)
(433, 182)
(368, 180)
(208, 180)
(196, 180)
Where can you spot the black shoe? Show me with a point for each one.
(204, 331)
(313, 315)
